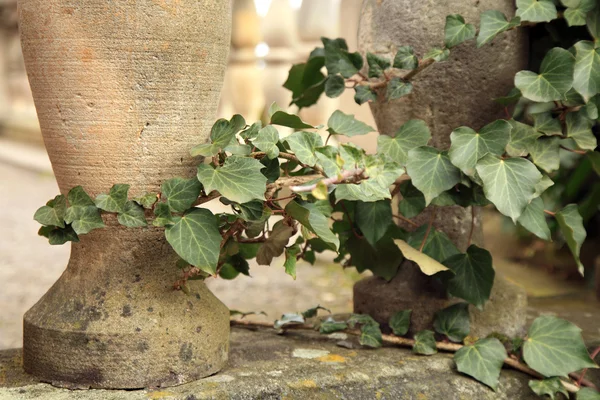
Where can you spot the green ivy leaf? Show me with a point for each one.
(414, 133)
(289, 319)
(115, 200)
(59, 236)
(314, 220)
(78, 197)
(82, 214)
(554, 347)
(275, 244)
(457, 31)
(437, 54)
(571, 226)
(383, 259)
(482, 360)
(492, 24)
(306, 82)
(453, 322)
(586, 78)
(534, 220)
(377, 65)
(468, 146)
(338, 60)
(579, 128)
(413, 201)
(545, 153)
(437, 245)
(548, 387)
(398, 88)
(536, 10)
(181, 193)
(327, 157)
(132, 216)
(314, 311)
(221, 135)
(147, 200)
(252, 131)
(373, 219)
(594, 157)
(364, 94)
(282, 118)
(361, 319)
(381, 176)
(511, 98)
(509, 184)
(400, 322)
(593, 23)
(239, 179)
(428, 265)
(588, 394)
(554, 80)
(334, 86)
(267, 140)
(405, 58)
(545, 123)
(252, 211)
(425, 343)
(304, 144)
(576, 13)
(196, 239)
(431, 171)
(53, 213)
(345, 124)
(290, 260)
(522, 139)
(541, 187)
(330, 325)
(370, 336)
(163, 216)
(473, 275)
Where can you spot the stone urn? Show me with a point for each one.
(123, 90)
(446, 96)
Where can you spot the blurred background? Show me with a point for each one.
(266, 41)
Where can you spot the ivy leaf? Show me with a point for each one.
(59, 236)
(594, 157)
(544, 122)
(338, 60)
(370, 336)
(453, 322)
(400, 322)
(554, 80)
(548, 387)
(82, 214)
(414, 133)
(579, 128)
(334, 86)
(425, 343)
(306, 82)
(437, 245)
(588, 394)
(330, 325)
(364, 94)
(163, 216)
(53, 213)
(282, 118)
(78, 197)
(545, 153)
(405, 58)
(431, 171)
(576, 13)
(413, 201)
(536, 10)
(377, 65)
(314, 311)
(534, 220)
(361, 319)
(571, 226)
(473, 275)
(593, 23)
(252, 211)
(468, 146)
(275, 244)
(554, 347)
(290, 260)
(457, 31)
(511, 98)
(437, 54)
(181, 193)
(522, 139)
(482, 360)
(221, 135)
(492, 24)
(311, 217)
(398, 88)
(132, 216)
(289, 319)
(304, 144)
(383, 259)
(115, 200)
(509, 184)
(344, 124)
(196, 239)
(239, 179)
(541, 187)
(252, 131)
(267, 140)
(428, 265)
(147, 200)
(586, 78)
(373, 219)
(381, 176)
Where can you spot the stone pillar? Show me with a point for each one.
(447, 95)
(123, 90)
(8, 26)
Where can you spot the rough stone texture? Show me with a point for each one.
(123, 90)
(298, 366)
(447, 95)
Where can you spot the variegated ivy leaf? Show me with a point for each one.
(522, 139)
(536, 10)
(147, 200)
(132, 216)
(304, 144)
(554, 80)
(239, 179)
(437, 54)
(534, 219)
(398, 88)
(457, 31)
(482, 360)
(468, 146)
(492, 24)
(377, 65)
(414, 133)
(381, 175)
(405, 58)
(545, 153)
(181, 193)
(267, 140)
(196, 239)
(509, 184)
(576, 12)
(345, 124)
(221, 135)
(571, 227)
(53, 213)
(115, 200)
(586, 78)
(431, 171)
(579, 128)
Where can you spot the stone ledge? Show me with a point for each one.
(300, 365)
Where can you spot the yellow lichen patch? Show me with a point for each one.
(303, 384)
(421, 396)
(352, 354)
(160, 395)
(332, 358)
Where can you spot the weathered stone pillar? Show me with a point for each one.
(7, 25)
(123, 90)
(447, 95)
